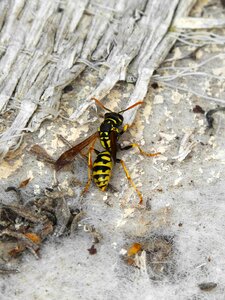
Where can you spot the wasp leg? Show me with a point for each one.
(96, 151)
(85, 155)
(139, 148)
(130, 180)
(89, 168)
(125, 128)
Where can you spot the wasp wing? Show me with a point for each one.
(69, 155)
(41, 154)
(113, 143)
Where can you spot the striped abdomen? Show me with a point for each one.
(102, 170)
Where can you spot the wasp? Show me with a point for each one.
(109, 133)
(102, 172)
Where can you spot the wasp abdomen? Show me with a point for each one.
(102, 170)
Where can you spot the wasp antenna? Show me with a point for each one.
(132, 106)
(100, 104)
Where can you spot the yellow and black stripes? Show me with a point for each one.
(102, 170)
(105, 137)
(111, 123)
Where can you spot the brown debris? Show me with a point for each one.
(26, 242)
(92, 250)
(76, 217)
(25, 213)
(62, 213)
(97, 236)
(154, 255)
(207, 286)
(155, 85)
(198, 110)
(25, 227)
(7, 269)
(33, 237)
(24, 183)
(17, 191)
(68, 88)
(134, 249)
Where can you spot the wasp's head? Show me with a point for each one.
(114, 117)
